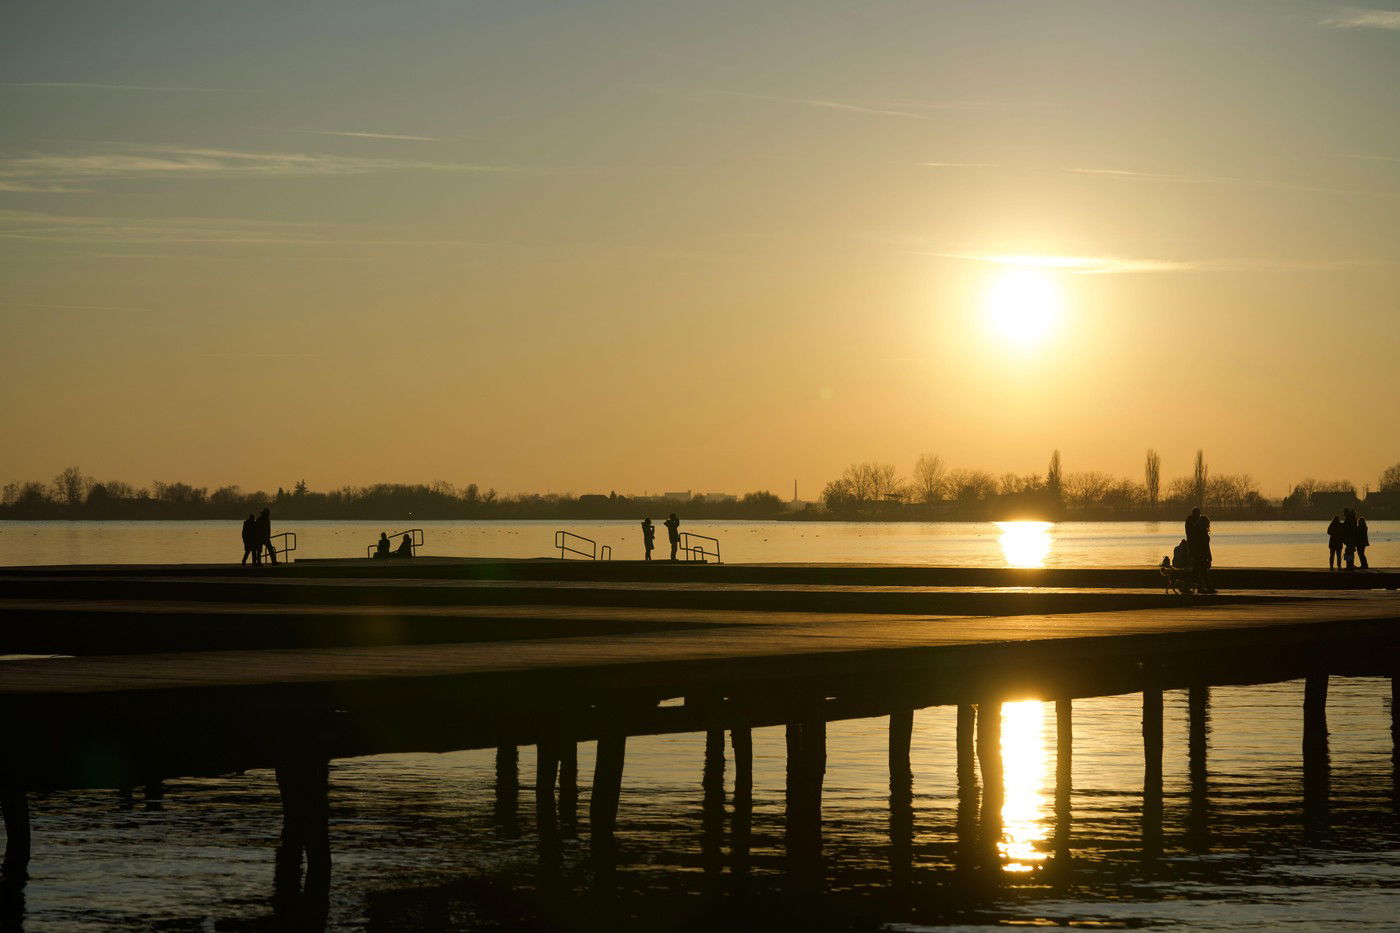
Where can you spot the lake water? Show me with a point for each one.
(418, 844)
(983, 544)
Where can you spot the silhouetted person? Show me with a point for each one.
(1334, 544)
(1349, 537)
(263, 538)
(1181, 556)
(381, 547)
(648, 536)
(249, 537)
(673, 531)
(405, 546)
(1363, 541)
(1191, 520)
(1199, 544)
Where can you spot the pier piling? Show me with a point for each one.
(1064, 780)
(304, 782)
(741, 828)
(1317, 767)
(568, 787)
(1198, 731)
(607, 790)
(507, 785)
(989, 760)
(1152, 766)
(546, 774)
(14, 801)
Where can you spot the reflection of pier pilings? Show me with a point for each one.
(1198, 732)
(967, 786)
(1064, 784)
(507, 787)
(1395, 740)
(742, 826)
(712, 810)
(568, 788)
(993, 788)
(901, 798)
(1152, 768)
(806, 771)
(304, 782)
(546, 773)
(1317, 768)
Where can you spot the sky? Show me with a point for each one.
(656, 245)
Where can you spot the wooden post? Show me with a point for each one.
(1152, 766)
(546, 772)
(993, 788)
(712, 806)
(1064, 778)
(507, 784)
(806, 770)
(901, 798)
(303, 779)
(1317, 768)
(14, 801)
(568, 786)
(607, 790)
(1198, 731)
(967, 787)
(967, 756)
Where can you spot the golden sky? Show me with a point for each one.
(721, 246)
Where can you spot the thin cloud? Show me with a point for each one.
(901, 110)
(1362, 18)
(958, 164)
(399, 136)
(176, 162)
(82, 85)
(1118, 265)
(1210, 180)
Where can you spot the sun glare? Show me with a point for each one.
(1022, 305)
(1025, 544)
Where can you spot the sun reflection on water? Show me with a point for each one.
(1024, 807)
(1025, 544)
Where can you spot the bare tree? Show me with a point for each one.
(1152, 475)
(1054, 476)
(1199, 479)
(971, 485)
(70, 487)
(1390, 479)
(930, 480)
(1085, 490)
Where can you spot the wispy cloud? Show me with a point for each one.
(416, 139)
(958, 164)
(1117, 265)
(82, 85)
(44, 172)
(905, 110)
(196, 232)
(1363, 18)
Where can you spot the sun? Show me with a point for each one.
(1023, 305)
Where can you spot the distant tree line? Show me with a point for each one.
(867, 491)
(74, 495)
(935, 492)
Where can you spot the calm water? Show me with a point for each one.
(418, 846)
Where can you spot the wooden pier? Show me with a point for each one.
(173, 671)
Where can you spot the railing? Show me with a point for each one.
(698, 552)
(605, 552)
(289, 543)
(415, 541)
(563, 539)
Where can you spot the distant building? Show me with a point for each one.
(677, 496)
(1382, 502)
(1334, 501)
(720, 497)
(593, 499)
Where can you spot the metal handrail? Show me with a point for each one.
(698, 551)
(415, 541)
(605, 553)
(561, 541)
(289, 543)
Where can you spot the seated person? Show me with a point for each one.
(1181, 556)
(381, 549)
(405, 547)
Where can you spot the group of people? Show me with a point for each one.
(673, 531)
(257, 538)
(384, 549)
(1193, 553)
(1347, 539)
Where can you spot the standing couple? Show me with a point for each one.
(257, 536)
(1347, 539)
(673, 530)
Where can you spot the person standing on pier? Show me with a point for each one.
(673, 531)
(1198, 541)
(1349, 537)
(263, 538)
(1334, 544)
(250, 549)
(648, 536)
